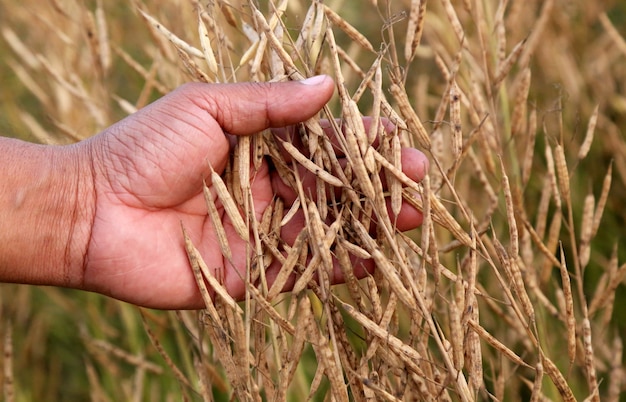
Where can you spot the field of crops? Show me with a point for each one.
(513, 287)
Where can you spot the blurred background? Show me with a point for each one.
(68, 345)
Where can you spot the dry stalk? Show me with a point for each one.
(570, 319)
(395, 334)
(8, 386)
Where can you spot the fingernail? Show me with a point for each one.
(316, 80)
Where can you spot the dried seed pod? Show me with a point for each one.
(570, 319)
(200, 268)
(103, 38)
(321, 244)
(295, 207)
(415, 28)
(272, 231)
(414, 124)
(604, 295)
(457, 27)
(557, 379)
(326, 357)
(305, 37)
(590, 367)
(407, 354)
(537, 32)
(320, 239)
(586, 228)
(505, 67)
(554, 182)
(427, 220)
(617, 371)
(494, 342)
(394, 185)
(510, 213)
(474, 361)
(518, 118)
(354, 249)
(500, 32)
(192, 68)
(591, 128)
(350, 142)
(456, 334)
(347, 268)
(207, 49)
(293, 256)
(527, 164)
(354, 125)
(520, 288)
(384, 265)
(311, 166)
(348, 29)
(175, 40)
(243, 167)
(358, 164)
(377, 92)
(439, 212)
(455, 120)
(276, 45)
(227, 10)
(277, 68)
(604, 196)
(216, 221)
(229, 206)
(469, 297)
(562, 172)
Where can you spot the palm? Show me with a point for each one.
(145, 191)
(140, 257)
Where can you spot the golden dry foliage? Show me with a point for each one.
(489, 300)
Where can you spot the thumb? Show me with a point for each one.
(163, 149)
(247, 108)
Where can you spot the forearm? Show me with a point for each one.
(44, 214)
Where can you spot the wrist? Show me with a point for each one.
(75, 200)
(46, 209)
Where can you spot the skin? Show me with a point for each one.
(105, 214)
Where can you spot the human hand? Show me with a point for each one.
(142, 177)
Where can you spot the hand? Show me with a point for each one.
(142, 177)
